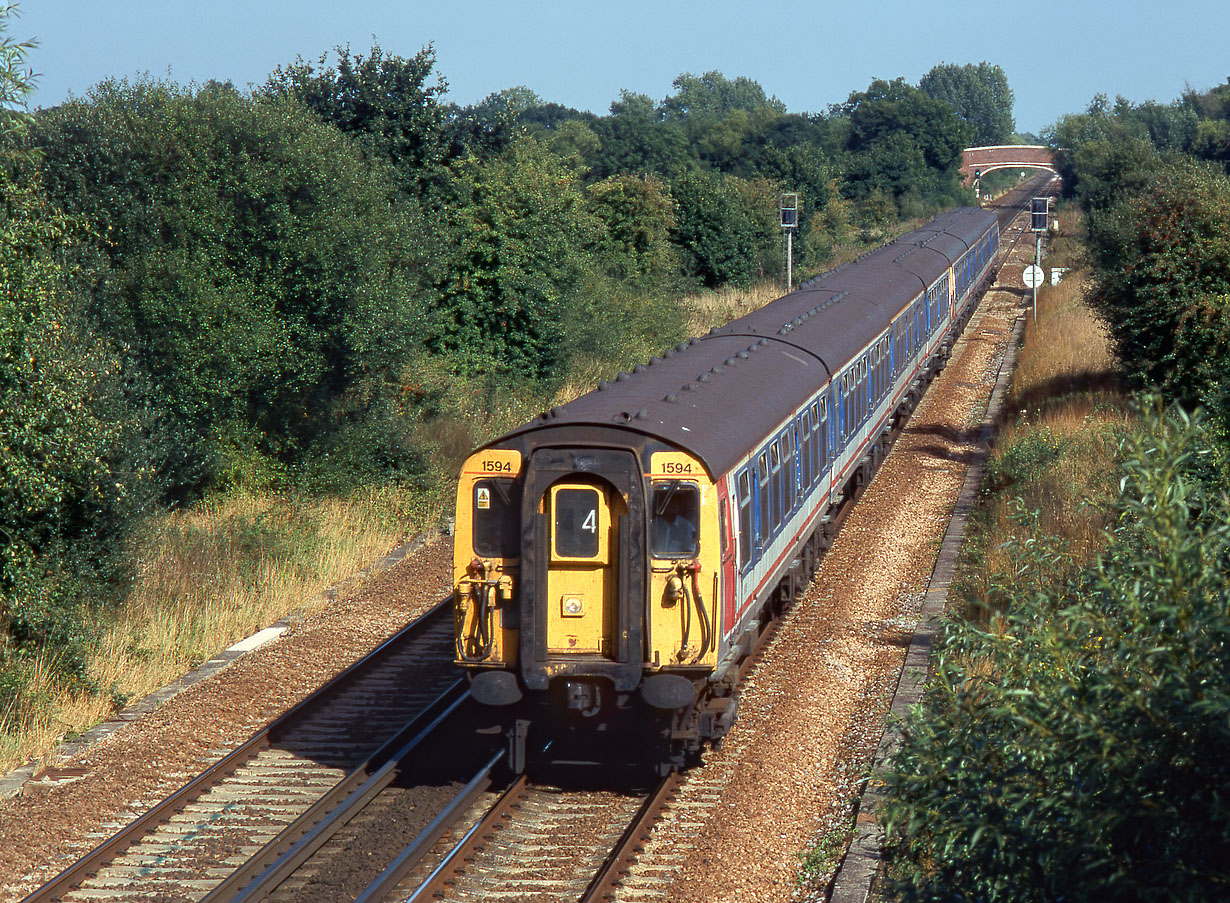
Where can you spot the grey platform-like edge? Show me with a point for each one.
(857, 871)
(11, 783)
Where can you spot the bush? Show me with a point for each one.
(254, 266)
(1164, 283)
(1070, 752)
(73, 472)
(722, 233)
(1031, 453)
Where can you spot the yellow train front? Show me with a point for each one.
(587, 585)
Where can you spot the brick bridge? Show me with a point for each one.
(1004, 156)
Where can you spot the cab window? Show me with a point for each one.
(674, 528)
(576, 523)
(497, 519)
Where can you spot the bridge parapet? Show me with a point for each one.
(1005, 156)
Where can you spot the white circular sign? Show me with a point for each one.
(1033, 276)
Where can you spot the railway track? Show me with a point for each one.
(409, 825)
(185, 844)
(362, 792)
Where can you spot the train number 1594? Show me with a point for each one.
(497, 467)
(677, 467)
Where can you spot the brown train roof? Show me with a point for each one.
(719, 396)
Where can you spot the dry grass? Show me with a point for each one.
(1066, 358)
(207, 577)
(704, 310)
(1055, 447)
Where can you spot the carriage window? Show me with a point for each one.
(789, 438)
(806, 459)
(824, 433)
(745, 519)
(497, 519)
(818, 450)
(675, 527)
(765, 501)
(576, 523)
(779, 494)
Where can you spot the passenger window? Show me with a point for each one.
(497, 519)
(745, 519)
(808, 463)
(576, 523)
(824, 433)
(787, 474)
(766, 499)
(779, 490)
(674, 529)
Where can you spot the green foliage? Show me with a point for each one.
(519, 256)
(390, 103)
(257, 270)
(69, 485)
(639, 214)
(633, 139)
(16, 80)
(1158, 225)
(723, 231)
(714, 95)
(980, 95)
(1032, 452)
(1069, 753)
(1164, 281)
(72, 476)
(900, 139)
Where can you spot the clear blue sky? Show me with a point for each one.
(1057, 53)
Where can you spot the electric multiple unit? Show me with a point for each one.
(614, 557)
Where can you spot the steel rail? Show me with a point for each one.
(225, 767)
(295, 844)
(406, 861)
(444, 873)
(632, 842)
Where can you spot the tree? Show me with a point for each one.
(980, 95)
(639, 215)
(254, 266)
(1163, 285)
(712, 95)
(72, 472)
(634, 139)
(391, 103)
(899, 138)
(724, 230)
(520, 254)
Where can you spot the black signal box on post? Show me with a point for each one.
(788, 207)
(1040, 214)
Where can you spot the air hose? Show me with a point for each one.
(478, 646)
(706, 629)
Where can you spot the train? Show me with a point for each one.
(616, 557)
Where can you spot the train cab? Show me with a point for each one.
(584, 576)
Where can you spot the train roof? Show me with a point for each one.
(772, 361)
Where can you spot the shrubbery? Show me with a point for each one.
(255, 270)
(1070, 751)
(1154, 184)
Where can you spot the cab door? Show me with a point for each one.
(582, 594)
